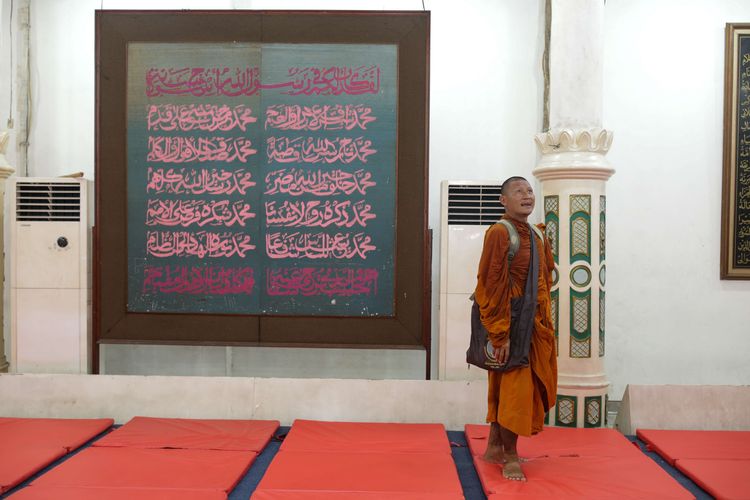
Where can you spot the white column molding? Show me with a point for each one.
(574, 154)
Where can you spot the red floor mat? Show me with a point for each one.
(559, 442)
(724, 479)
(318, 473)
(351, 495)
(582, 477)
(310, 435)
(676, 445)
(83, 493)
(146, 432)
(149, 468)
(50, 432)
(27, 445)
(19, 464)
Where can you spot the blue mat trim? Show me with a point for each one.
(247, 484)
(59, 461)
(685, 482)
(467, 474)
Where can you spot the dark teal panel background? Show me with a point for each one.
(194, 284)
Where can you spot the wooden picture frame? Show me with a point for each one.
(409, 325)
(735, 213)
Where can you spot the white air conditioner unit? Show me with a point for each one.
(48, 249)
(468, 208)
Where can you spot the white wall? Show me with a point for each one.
(121, 397)
(485, 81)
(669, 318)
(7, 53)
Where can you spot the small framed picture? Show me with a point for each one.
(735, 213)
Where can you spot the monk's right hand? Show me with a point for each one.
(502, 353)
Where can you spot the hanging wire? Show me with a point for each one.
(29, 99)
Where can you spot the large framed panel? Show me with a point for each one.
(261, 178)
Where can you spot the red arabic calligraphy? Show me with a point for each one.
(297, 181)
(317, 117)
(317, 150)
(186, 213)
(194, 280)
(203, 82)
(318, 245)
(309, 281)
(205, 117)
(198, 181)
(334, 80)
(183, 149)
(233, 82)
(316, 213)
(200, 244)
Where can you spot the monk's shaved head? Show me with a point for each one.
(508, 182)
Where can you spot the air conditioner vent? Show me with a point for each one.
(475, 205)
(48, 201)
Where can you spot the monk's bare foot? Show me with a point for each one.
(494, 454)
(512, 468)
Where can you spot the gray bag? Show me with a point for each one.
(523, 309)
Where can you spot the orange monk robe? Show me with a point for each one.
(518, 399)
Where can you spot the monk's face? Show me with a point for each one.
(518, 199)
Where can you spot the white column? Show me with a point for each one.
(5, 172)
(573, 172)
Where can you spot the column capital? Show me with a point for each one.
(574, 154)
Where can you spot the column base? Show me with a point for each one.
(580, 402)
(579, 409)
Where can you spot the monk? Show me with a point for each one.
(517, 399)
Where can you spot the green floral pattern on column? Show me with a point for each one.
(555, 296)
(593, 405)
(580, 324)
(602, 228)
(567, 411)
(580, 228)
(601, 322)
(602, 271)
(552, 222)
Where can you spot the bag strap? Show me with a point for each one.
(514, 239)
(538, 233)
